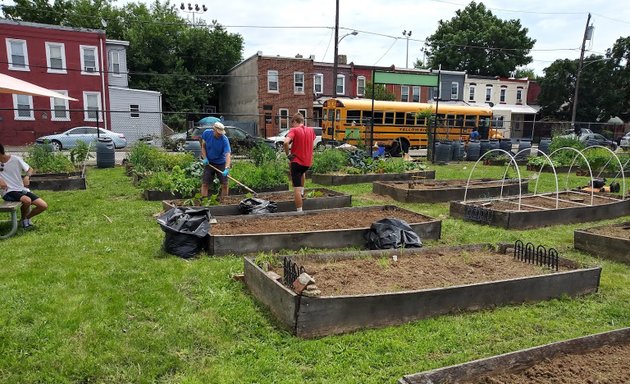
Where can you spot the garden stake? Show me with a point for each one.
(233, 179)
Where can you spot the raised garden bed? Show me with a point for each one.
(610, 241)
(547, 168)
(540, 210)
(153, 195)
(317, 198)
(327, 228)
(434, 191)
(369, 289)
(599, 358)
(334, 179)
(238, 190)
(58, 181)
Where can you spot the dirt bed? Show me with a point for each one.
(314, 221)
(442, 184)
(606, 365)
(622, 231)
(529, 203)
(411, 271)
(280, 196)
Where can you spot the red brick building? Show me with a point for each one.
(67, 60)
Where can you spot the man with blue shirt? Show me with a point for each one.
(215, 153)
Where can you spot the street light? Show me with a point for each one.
(193, 9)
(407, 36)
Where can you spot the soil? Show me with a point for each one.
(415, 271)
(535, 203)
(441, 184)
(619, 231)
(608, 364)
(279, 196)
(314, 221)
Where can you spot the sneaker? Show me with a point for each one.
(26, 224)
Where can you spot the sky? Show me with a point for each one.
(290, 27)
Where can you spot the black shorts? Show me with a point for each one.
(297, 171)
(16, 196)
(208, 174)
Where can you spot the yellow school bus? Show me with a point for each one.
(350, 120)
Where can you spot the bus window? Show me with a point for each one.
(450, 120)
(353, 115)
(410, 118)
(367, 117)
(378, 118)
(459, 120)
(471, 121)
(421, 120)
(389, 117)
(337, 114)
(441, 120)
(400, 118)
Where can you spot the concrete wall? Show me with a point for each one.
(239, 99)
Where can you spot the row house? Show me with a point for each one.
(508, 98)
(77, 62)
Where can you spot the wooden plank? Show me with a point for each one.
(611, 248)
(10, 206)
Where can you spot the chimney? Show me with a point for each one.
(312, 57)
(298, 56)
(342, 59)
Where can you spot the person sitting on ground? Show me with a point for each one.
(14, 187)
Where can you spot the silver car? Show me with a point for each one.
(625, 141)
(70, 138)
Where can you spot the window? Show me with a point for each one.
(303, 112)
(471, 93)
(454, 90)
(410, 118)
(341, 84)
(415, 94)
(318, 83)
(400, 118)
(59, 109)
(360, 85)
(404, 93)
(89, 64)
(272, 81)
(17, 54)
(519, 95)
(134, 111)
(389, 117)
(56, 57)
(435, 93)
(284, 118)
(23, 107)
(502, 95)
(114, 63)
(298, 82)
(488, 93)
(497, 121)
(92, 106)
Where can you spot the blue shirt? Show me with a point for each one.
(474, 135)
(216, 148)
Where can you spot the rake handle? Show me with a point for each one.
(233, 179)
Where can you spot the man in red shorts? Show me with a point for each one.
(300, 141)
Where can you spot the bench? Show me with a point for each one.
(11, 207)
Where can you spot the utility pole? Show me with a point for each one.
(336, 58)
(587, 36)
(407, 36)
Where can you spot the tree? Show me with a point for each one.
(522, 73)
(620, 78)
(380, 92)
(478, 42)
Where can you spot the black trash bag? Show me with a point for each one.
(597, 182)
(185, 230)
(256, 206)
(392, 233)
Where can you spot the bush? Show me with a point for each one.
(262, 153)
(268, 175)
(564, 158)
(43, 159)
(330, 160)
(145, 158)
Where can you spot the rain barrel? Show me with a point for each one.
(506, 145)
(105, 153)
(494, 144)
(473, 151)
(484, 146)
(443, 152)
(458, 150)
(526, 147)
(544, 144)
(195, 147)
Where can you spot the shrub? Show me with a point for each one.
(262, 153)
(44, 160)
(330, 160)
(268, 175)
(565, 157)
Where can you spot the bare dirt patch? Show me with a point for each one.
(279, 196)
(608, 364)
(443, 184)
(533, 203)
(315, 221)
(415, 271)
(619, 231)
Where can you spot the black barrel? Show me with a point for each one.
(494, 144)
(484, 146)
(458, 150)
(506, 145)
(443, 152)
(105, 153)
(525, 146)
(473, 151)
(544, 144)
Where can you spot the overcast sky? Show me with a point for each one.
(557, 26)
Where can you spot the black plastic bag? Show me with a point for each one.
(255, 206)
(392, 233)
(185, 230)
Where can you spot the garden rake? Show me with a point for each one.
(233, 179)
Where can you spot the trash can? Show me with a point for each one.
(185, 230)
(105, 153)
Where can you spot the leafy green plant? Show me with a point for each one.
(80, 153)
(268, 175)
(262, 153)
(329, 160)
(44, 160)
(538, 161)
(564, 158)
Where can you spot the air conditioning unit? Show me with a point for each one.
(90, 69)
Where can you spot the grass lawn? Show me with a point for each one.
(88, 296)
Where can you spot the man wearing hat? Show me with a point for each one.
(215, 153)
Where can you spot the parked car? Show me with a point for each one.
(239, 139)
(177, 141)
(69, 138)
(625, 141)
(279, 139)
(597, 139)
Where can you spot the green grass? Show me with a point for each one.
(89, 297)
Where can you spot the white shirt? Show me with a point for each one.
(12, 174)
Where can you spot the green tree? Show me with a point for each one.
(522, 73)
(380, 92)
(619, 56)
(478, 42)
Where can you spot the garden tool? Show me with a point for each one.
(233, 179)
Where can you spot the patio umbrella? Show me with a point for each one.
(10, 84)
